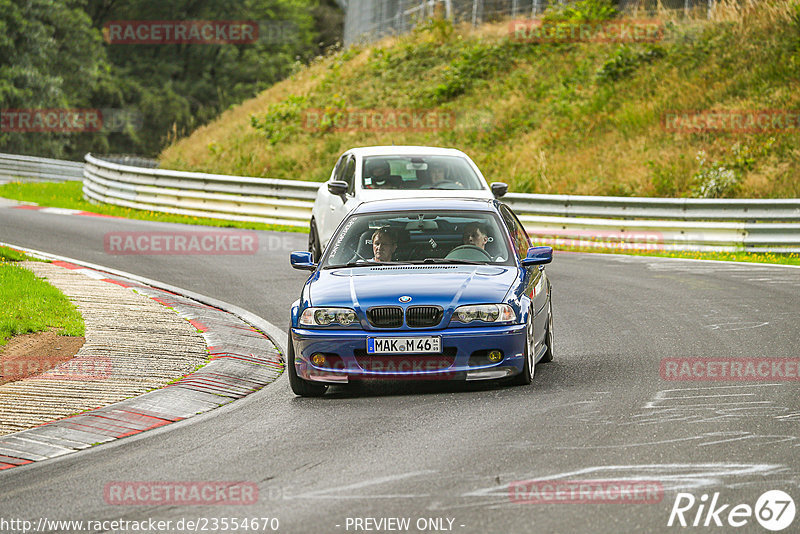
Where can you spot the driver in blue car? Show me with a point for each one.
(383, 245)
(476, 234)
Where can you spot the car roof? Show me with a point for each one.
(403, 150)
(427, 203)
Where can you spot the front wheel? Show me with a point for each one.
(301, 387)
(529, 362)
(548, 336)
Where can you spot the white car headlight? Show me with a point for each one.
(488, 313)
(328, 316)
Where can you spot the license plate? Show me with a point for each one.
(402, 345)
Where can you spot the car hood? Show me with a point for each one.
(381, 194)
(444, 285)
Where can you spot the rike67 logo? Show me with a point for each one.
(774, 510)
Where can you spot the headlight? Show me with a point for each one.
(489, 313)
(327, 316)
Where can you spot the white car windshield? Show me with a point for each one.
(420, 237)
(419, 172)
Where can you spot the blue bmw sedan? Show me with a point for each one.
(422, 289)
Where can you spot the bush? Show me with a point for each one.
(714, 180)
(477, 62)
(281, 119)
(582, 11)
(625, 60)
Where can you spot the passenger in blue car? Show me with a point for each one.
(383, 245)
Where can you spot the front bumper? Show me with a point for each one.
(462, 357)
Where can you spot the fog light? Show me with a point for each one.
(495, 356)
(318, 359)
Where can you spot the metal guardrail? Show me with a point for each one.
(133, 161)
(286, 202)
(679, 209)
(619, 222)
(770, 225)
(32, 169)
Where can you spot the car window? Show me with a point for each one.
(420, 172)
(518, 234)
(338, 171)
(349, 174)
(426, 237)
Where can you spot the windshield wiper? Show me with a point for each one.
(446, 260)
(365, 263)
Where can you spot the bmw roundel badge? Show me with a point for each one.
(405, 298)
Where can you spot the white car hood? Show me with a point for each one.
(381, 194)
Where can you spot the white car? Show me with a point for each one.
(382, 172)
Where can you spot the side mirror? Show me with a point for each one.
(499, 189)
(302, 260)
(337, 187)
(538, 256)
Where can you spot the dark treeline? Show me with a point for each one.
(53, 56)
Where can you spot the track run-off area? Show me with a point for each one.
(613, 436)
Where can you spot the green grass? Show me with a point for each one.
(70, 195)
(561, 118)
(8, 254)
(749, 257)
(30, 304)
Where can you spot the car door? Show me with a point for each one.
(338, 206)
(322, 204)
(536, 285)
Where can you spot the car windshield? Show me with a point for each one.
(419, 172)
(419, 237)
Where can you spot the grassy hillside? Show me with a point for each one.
(577, 118)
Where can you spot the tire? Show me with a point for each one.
(548, 336)
(313, 243)
(301, 387)
(528, 365)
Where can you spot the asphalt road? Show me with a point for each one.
(600, 411)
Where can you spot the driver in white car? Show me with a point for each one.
(438, 176)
